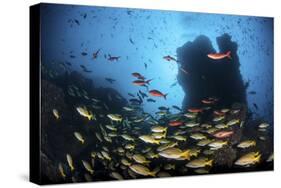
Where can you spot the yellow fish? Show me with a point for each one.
(140, 159)
(85, 113)
(246, 144)
(70, 161)
(88, 167)
(175, 153)
(115, 117)
(142, 170)
(61, 170)
(79, 137)
(199, 163)
(249, 159)
(149, 139)
(56, 113)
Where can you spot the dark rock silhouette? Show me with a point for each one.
(207, 77)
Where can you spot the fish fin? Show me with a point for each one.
(165, 96)
(228, 54)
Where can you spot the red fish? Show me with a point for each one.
(206, 101)
(223, 134)
(169, 58)
(195, 110)
(175, 123)
(95, 54)
(218, 113)
(141, 82)
(113, 58)
(217, 56)
(157, 93)
(138, 75)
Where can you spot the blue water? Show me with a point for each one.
(155, 34)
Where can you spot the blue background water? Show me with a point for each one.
(155, 34)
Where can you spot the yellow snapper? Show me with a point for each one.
(140, 159)
(149, 139)
(249, 159)
(56, 113)
(246, 144)
(115, 117)
(61, 171)
(143, 170)
(175, 153)
(199, 163)
(158, 129)
(83, 111)
(70, 161)
(87, 166)
(79, 137)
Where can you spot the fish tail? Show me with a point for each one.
(72, 168)
(228, 54)
(186, 154)
(154, 172)
(148, 81)
(209, 163)
(165, 96)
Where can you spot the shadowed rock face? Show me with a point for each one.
(207, 77)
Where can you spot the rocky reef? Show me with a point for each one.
(207, 77)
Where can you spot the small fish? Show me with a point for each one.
(175, 153)
(175, 123)
(61, 170)
(223, 134)
(115, 117)
(177, 108)
(131, 95)
(198, 136)
(195, 110)
(199, 163)
(113, 58)
(252, 92)
(95, 54)
(246, 144)
(263, 125)
(70, 161)
(110, 80)
(116, 176)
(138, 75)
(149, 139)
(170, 58)
(150, 100)
(88, 167)
(233, 122)
(84, 53)
(79, 137)
(83, 111)
(218, 144)
(142, 170)
(131, 41)
(141, 82)
(159, 129)
(183, 70)
(249, 159)
(218, 56)
(56, 113)
(140, 159)
(157, 93)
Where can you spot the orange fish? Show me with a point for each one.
(217, 56)
(218, 113)
(223, 134)
(206, 101)
(195, 110)
(138, 75)
(157, 93)
(141, 82)
(175, 123)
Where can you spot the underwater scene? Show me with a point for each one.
(136, 93)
